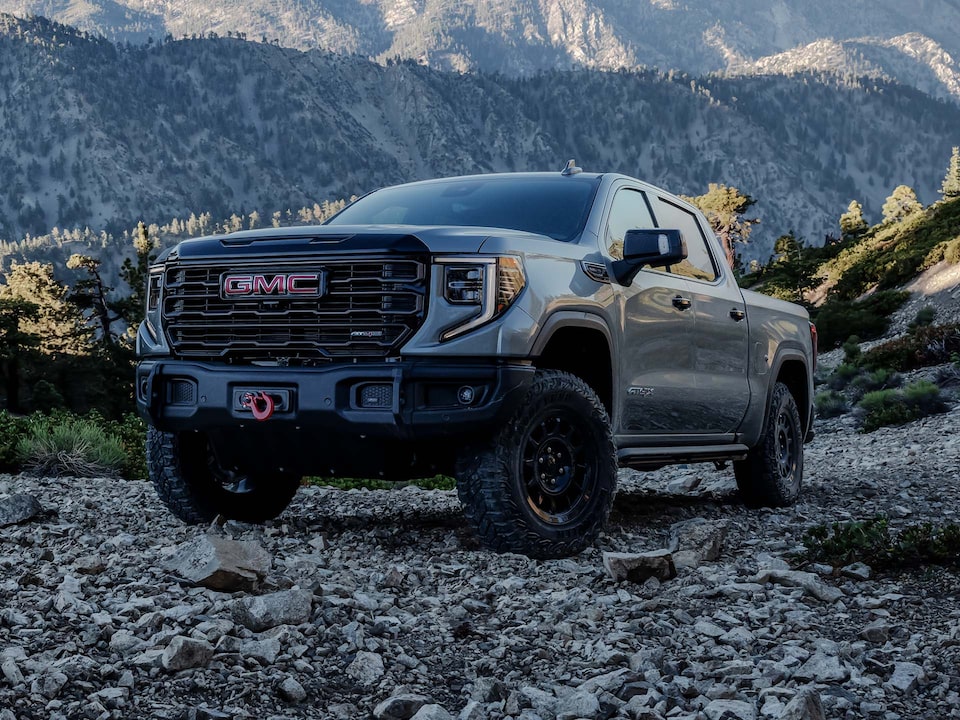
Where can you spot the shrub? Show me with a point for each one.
(925, 317)
(880, 379)
(874, 543)
(62, 445)
(45, 397)
(830, 404)
(881, 408)
(851, 350)
(948, 377)
(868, 318)
(132, 433)
(933, 345)
(12, 430)
(842, 376)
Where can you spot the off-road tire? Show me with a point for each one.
(771, 474)
(183, 474)
(560, 419)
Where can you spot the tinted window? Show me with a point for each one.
(699, 263)
(629, 212)
(557, 207)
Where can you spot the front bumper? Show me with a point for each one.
(405, 400)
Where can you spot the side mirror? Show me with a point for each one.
(644, 247)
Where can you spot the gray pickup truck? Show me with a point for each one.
(525, 333)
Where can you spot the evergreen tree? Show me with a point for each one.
(91, 294)
(15, 344)
(59, 324)
(951, 183)
(901, 204)
(724, 207)
(852, 222)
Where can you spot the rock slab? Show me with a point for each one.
(16, 509)
(287, 607)
(220, 563)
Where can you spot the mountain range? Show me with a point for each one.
(101, 134)
(915, 43)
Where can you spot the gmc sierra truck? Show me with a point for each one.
(526, 333)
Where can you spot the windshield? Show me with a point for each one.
(553, 206)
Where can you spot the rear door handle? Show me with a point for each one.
(737, 314)
(681, 303)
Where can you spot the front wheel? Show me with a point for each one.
(192, 485)
(545, 484)
(771, 474)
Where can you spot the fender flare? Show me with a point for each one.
(571, 318)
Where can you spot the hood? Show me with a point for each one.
(345, 239)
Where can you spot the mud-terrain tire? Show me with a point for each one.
(545, 483)
(770, 476)
(188, 482)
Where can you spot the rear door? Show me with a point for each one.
(720, 392)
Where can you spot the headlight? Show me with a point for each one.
(491, 284)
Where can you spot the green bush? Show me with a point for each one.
(45, 397)
(924, 318)
(874, 543)
(830, 404)
(933, 345)
(12, 430)
(851, 350)
(842, 376)
(63, 445)
(880, 379)
(868, 318)
(881, 408)
(132, 433)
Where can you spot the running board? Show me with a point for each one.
(654, 457)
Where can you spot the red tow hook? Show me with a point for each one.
(260, 404)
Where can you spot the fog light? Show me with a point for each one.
(376, 396)
(466, 395)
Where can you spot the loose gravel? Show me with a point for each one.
(382, 604)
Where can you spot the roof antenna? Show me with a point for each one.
(571, 168)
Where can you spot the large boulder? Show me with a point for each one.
(638, 567)
(287, 607)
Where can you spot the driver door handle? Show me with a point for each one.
(682, 303)
(737, 314)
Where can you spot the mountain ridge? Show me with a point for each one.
(521, 37)
(101, 135)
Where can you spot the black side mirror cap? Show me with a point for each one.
(646, 247)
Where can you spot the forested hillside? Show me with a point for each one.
(99, 135)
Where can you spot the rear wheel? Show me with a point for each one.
(545, 484)
(771, 474)
(190, 482)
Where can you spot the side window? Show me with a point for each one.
(699, 264)
(629, 211)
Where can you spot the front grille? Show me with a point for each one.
(369, 309)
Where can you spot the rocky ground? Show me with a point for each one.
(381, 604)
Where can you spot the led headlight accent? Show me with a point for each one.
(154, 290)
(492, 284)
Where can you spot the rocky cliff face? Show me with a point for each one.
(523, 36)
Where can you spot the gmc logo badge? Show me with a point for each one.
(300, 284)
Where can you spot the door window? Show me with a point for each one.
(629, 212)
(699, 264)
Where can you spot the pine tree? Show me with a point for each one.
(951, 183)
(59, 324)
(724, 207)
(15, 343)
(901, 204)
(852, 222)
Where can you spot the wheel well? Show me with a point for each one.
(793, 374)
(585, 353)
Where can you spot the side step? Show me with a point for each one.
(656, 457)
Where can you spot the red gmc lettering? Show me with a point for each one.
(237, 285)
(295, 286)
(263, 287)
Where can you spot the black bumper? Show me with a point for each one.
(407, 400)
